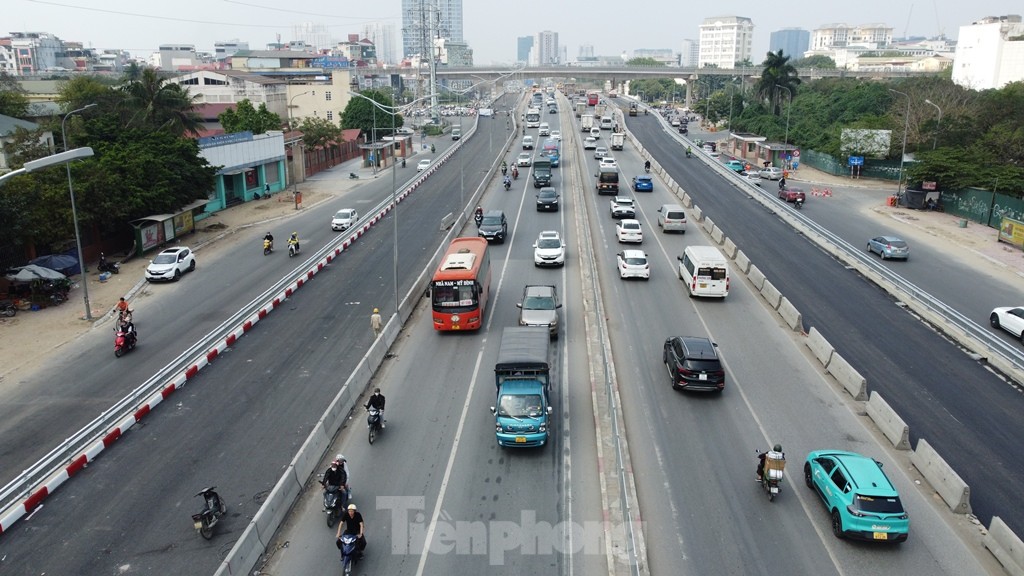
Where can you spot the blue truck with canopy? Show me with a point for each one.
(522, 412)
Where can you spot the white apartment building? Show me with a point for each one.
(986, 57)
(689, 53)
(843, 36)
(545, 50)
(725, 40)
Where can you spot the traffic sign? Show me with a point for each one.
(796, 153)
(856, 161)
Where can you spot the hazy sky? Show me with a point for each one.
(491, 28)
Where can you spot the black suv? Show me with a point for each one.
(493, 227)
(693, 364)
(547, 199)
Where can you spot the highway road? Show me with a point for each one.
(692, 454)
(964, 410)
(240, 422)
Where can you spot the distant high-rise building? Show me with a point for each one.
(987, 55)
(792, 41)
(315, 36)
(225, 49)
(586, 51)
(725, 40)
(689, 54)
(383, 37)
(425, 20)
(523, 45)
(545, 49)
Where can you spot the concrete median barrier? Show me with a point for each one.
(244, 554)
(729, 248)
(888, 421)
(820, 347)
(698, 215)
(1005, 546)
(742, 262)
(756, 277)
(848, 378)
(273, 510)
(308, 457)
(790, 315)
(709, 224)
(447, 221)
(687, 201)
(771, 294)
(717, 235)
(943, 479)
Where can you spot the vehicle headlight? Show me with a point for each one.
(500, 429)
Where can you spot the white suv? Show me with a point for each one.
(622, 207)
(549, 250)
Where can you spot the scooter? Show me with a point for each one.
(798, 203)
(268, 247)
(104, 266)
(515, 174)
(125, 338)
(687, 153)
(213, 509)
(478, 218)
(8, 309)
(293, 250)
(373, 422)
(335, 501)
(349, 556)
(508, 184)
(771, 478)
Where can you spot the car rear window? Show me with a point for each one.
(636, 261)
(898, 244)
(704, 365)
(713, 273)
(675, 215)
(878, 504)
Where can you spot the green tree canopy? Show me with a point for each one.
(644, 61)
(13, 101)
(318, 132)
(244, 117)
(817, 61)
(777, 76)
(362, 114)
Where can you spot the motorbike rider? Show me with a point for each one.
(782, 184)
(507, 182)
(336, 477)
(687, 151)
(647, 166)
(352, 523)
(478, 216)
(515, 173)
(294, 240)
(775, 453)
(269, 238)
(504, 167)
(377, 401)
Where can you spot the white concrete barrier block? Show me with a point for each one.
(308, 457)
(790, 315)
(888, 421)
(687, 201)
(944, 480)
(709, 224)
(729, 248)
(717, 235)
(742, 262)
(244, 554)
(820, 347)
(697, 214)
(771, 294)
(848, 378)
(274, 509)
(1005, 546)
(756, 277)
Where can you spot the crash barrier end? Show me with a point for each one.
(946, 482)
(448, 221)
(820, 347)
(771, 294)
(791, 315)
(1005, 546)
(848, 378)
(888, 421)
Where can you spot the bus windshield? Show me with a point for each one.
(450, 296)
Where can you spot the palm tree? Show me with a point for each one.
(153, 102)
(777, 72)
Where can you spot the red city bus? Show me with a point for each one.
(461, 285)
(592, 99)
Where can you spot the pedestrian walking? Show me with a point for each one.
(375, 322)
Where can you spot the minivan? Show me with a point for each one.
(456, 133)
(705, 271)
(606, 123)
(672, 218)
(544, 130)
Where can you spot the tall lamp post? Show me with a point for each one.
(74, 213)
(906, 127)
(789, 109)
(938, 123)
(294, 178)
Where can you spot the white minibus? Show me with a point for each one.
(705, 271)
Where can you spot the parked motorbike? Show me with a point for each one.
(125, 338)
(373, 422)
(349, 556)
(798, 203)
(104, 266)
(8, 309)
(268, 247)
(213, 509)
(353, 176)
(335, 501)
(293, 250)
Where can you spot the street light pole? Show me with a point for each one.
(906, 127)
(789, 109)
(294, 177)
(938, 123)
(74, 214)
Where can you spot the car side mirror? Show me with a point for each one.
(520, 305)
(680, 258)
(559, 305)
(493, 411)
(534, 244)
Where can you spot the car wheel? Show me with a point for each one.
(671, 376)
(837, 524)
(870, 251)
(192, 266)
(808, 479)
(177, 275)
(994, 320)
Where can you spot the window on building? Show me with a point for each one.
(327, 95)
(330, 115)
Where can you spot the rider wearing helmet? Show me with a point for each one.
(294, 240)
(377, 401)
(775, 453)
(647, 165)
(335, 477)
(352, 523)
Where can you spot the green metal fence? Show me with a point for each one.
(982, 206)
(880, 169)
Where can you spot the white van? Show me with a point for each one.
(672, 218)
(705, 271)
(606, 123)
(595, 133)
(544, 130)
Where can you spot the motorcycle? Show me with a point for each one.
(771, 477)
(125, 338)
(373, 422)
(8, 309)
(515, 174)
(293, 250)
(504, 170)
(478, 218)
(349, 556)
(508, 184)
(213, 509)
(268, 247)
(798, 203)
(647, 168)
(104, 266)
(335, 501)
